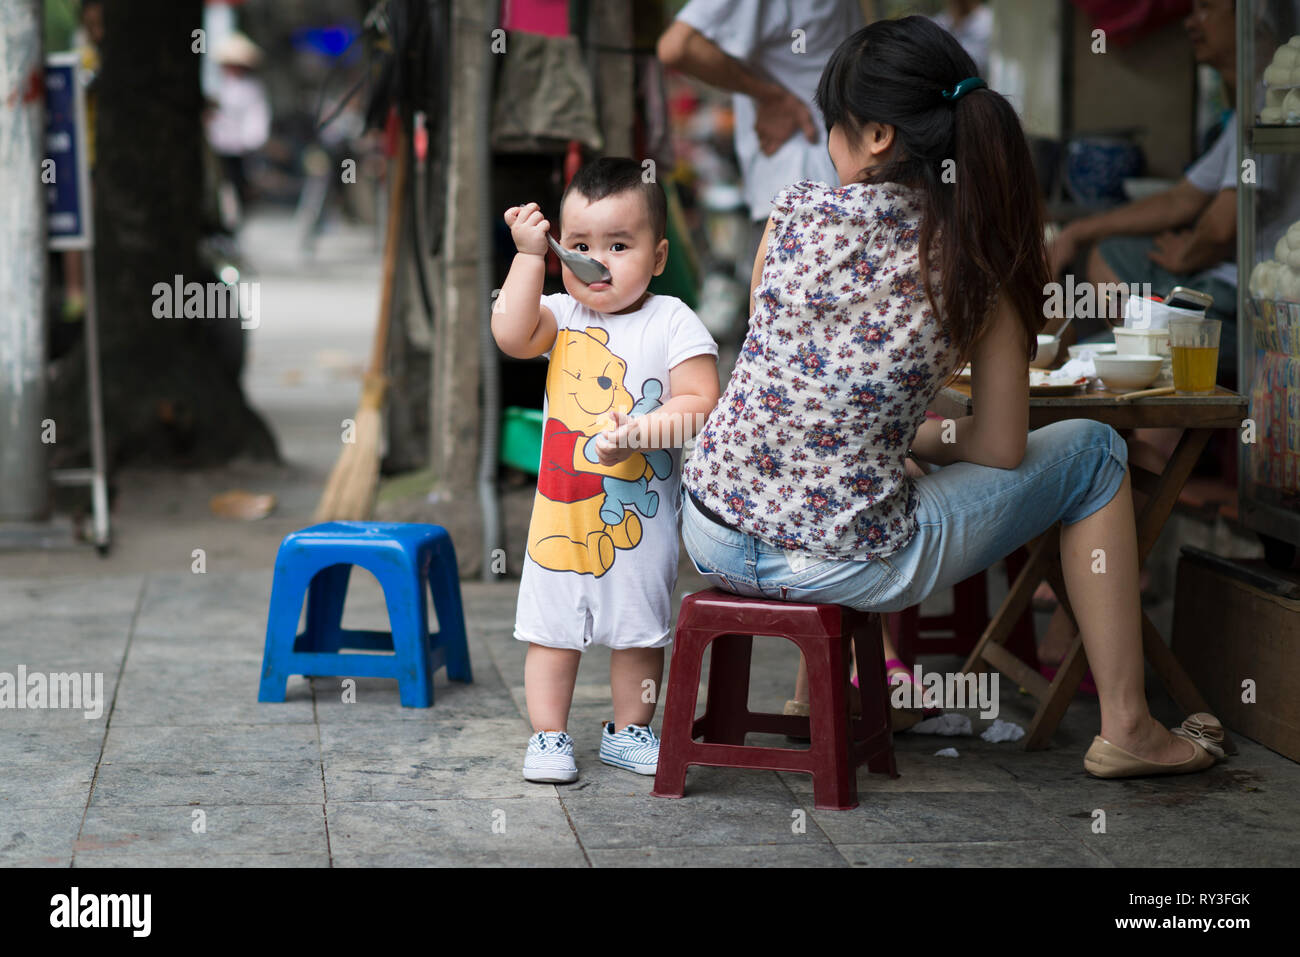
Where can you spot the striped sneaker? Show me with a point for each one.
(635, 748)
(549, 759)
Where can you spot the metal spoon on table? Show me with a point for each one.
(585, 268)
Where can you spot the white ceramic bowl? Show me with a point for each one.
(1142, 342)
(1097, 348)
(1048, 347)
(1124, 373)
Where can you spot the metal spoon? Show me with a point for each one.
(585, 268)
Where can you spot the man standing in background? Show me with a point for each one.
(769, 55)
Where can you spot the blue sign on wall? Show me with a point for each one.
(65, 174)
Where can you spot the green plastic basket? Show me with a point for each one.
(521, 438)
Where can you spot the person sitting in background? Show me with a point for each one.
(1186, 235)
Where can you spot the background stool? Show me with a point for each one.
(840, 743)
(966, 624)
(403, 557)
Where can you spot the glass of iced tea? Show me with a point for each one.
(1195, 344)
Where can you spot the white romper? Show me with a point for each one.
(601, 561)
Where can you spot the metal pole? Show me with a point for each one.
(98, 456)
(24, 483)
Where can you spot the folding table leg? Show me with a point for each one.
(1050, 712)
(1071, 670)
(1013, 606)
(1155, 513)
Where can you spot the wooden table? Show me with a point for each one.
(1198, 417)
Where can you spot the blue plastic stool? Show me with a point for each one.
(318, 560)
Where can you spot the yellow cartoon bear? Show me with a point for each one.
(584, 385)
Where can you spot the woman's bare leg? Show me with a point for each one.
(801, 677)
(801, 681)
(1107, 607)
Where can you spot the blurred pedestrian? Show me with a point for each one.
(240, 122)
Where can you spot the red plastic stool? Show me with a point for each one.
(840, 743)
(966, 624)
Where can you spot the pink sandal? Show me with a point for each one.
(903, 674)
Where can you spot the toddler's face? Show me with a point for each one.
(616, 232)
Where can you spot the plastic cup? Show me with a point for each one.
(1195, 347)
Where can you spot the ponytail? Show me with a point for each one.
(963, 148)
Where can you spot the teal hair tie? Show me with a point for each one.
(964, 87)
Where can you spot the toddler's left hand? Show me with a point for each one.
(616, 445)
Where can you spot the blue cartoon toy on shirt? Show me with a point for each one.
(621, 494)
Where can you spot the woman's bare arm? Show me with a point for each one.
(756, 275)
(995, 435)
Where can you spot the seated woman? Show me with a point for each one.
(866, 298)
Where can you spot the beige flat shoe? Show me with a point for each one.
(1106, 760)
(900, 719)
(797, 709)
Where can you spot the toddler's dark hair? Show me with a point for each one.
(611, 175)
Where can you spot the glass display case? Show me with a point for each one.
(1268, 256)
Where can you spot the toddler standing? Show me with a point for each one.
(631, 376)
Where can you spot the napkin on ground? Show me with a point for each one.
(1000, 731)
(947, 725)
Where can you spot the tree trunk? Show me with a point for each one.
(171, 396)
(24, 492)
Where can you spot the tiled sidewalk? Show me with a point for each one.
(319, 782)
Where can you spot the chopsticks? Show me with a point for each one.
(1163, 390)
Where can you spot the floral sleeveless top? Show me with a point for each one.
(805, 449)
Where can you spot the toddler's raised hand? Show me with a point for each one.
(528, 228)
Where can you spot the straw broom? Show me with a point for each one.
(350, 492)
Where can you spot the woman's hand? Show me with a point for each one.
(528, 228)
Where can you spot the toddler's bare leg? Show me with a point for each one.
(629, 669)
(549, 675)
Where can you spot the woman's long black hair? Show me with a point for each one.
(982, 218)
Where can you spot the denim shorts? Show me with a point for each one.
(968, 517)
